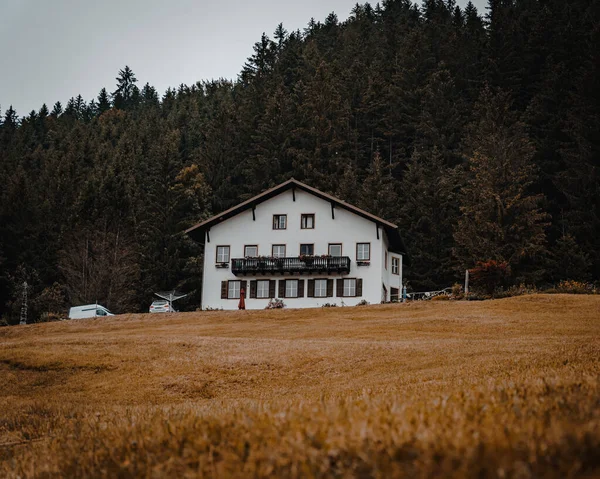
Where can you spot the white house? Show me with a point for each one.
(301, 245)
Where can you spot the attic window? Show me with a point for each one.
(307, 221)
(363, 251)
(279, 222)
(222, 254)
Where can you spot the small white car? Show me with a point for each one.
(161, 306)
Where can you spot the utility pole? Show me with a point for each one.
(24, 305)
(466, 282)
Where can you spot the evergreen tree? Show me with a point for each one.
(378, 192)
(569, 261)
(43, 113)
(428, 213)
(103, 101)
(149, 95)
(126, 96)
(501, 219)
(11, 120)
(57, 109)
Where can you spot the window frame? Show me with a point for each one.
(257, 288)
(396, 259)
(307, 215)
(217, 253)
(335, 244)
(324, 280)
(246, 255)
(363, 259)
(288, 281)
(279, 221)
(229, 283)
(273, 250)
(307, 244)
(344, 295)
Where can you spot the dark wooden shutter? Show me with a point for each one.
(272, 288)
(301, 288)
(329, 288)
(310, 293)
(340, 288)
(253, 289)
(282, 288)
(223, 289)
(359, 287)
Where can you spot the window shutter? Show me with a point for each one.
(272, 288)
(244, 286)
(252, 289)
(223, 289)
(329, 288)
(301, 288)
(359, 287)
(340, 288)
(282, 288)
(310, 293)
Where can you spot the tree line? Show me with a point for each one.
(477, 133)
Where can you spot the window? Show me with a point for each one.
(279, 222)
(363, 251)
(307, 249)
(395, 265)
(262, 289)
(335, 249)
(250, 251)
(233, 289)
(394, 291)
(291, 288)
(278, 251)
(307, 222)
(320, 288)
(349, 287)
(222, 254)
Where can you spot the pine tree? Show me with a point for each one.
(261, 62)
(569, 261)
(57, 109)
(43, 113)
(501, 219)
(149, 95)
(378, 192)
(103, 101)
(321, 142)
(11, 120)
(126, 96)
(428, 213)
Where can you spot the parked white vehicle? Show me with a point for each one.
(161, 306)
(88, 311)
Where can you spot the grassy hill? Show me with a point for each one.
(498, 388)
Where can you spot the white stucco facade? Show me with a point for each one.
(254, 226)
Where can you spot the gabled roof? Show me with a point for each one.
(197, 231)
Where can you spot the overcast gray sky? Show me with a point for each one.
(53, 50)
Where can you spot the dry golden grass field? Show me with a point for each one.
(505, 388)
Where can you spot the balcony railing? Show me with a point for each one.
(329, 265)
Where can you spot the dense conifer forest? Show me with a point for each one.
(478, 133)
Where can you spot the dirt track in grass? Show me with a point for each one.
(505, 388)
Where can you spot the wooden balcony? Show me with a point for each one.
(300, 265)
